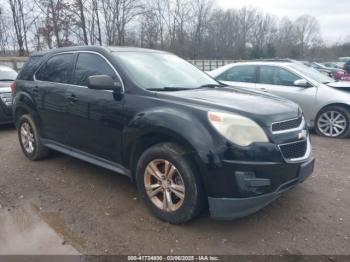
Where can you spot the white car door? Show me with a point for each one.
(280, 82)
(239, 76)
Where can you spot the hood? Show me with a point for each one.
(259, 106)
(344, 85)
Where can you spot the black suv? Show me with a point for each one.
(186, 139)
(7, 76)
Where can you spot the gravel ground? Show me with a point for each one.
(99, 212)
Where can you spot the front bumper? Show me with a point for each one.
(232, 208)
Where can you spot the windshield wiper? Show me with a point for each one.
(213, 85)
(7, 80)
(169, 88)
(175, 88)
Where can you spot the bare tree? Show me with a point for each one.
(246, 20)
(263, 35)
(4, 33)
(307, 31)
(190, 28)
(59, 19)
(117, 15)
(201, 12)
(17, 10)
(82, 24)
(95, 23)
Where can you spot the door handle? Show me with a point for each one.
(72, 98)
(36, 91)
(263, 89)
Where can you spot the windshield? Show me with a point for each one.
(312, 73)
(7, 74)
(157, 71)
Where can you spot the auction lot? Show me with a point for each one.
(95, 211)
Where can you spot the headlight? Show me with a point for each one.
(237, 129)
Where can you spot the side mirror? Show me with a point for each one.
(302, 83)
(103, 82)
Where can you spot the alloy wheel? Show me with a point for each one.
(332, 123)
(164, 185)
(27, 137)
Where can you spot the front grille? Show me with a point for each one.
(294, 150)
(286, 125)
(6, 98)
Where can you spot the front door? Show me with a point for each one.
(94, 117)
(280, 82)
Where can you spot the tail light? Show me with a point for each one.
(13, 87)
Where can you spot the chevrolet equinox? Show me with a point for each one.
(186, 140)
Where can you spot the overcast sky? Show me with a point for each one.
(333, 15)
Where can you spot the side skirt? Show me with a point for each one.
(98, 161)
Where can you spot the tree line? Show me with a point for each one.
(193, 29)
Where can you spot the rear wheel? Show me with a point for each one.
(30, 140)
(168, 183)
(333, 121)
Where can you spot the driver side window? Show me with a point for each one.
(272, 75)
(89, 65)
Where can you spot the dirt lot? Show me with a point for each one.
(99, 212)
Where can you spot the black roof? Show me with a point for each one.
(96, 49)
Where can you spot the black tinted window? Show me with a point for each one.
(90, 65)
(277, 76)
(29, 68)
(57, 69)
(239, 74)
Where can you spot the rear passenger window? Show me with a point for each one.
(239, 74)
(90, 65)
(57, 69)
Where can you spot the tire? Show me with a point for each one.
(341, 122)
(181, 175)
(37, 150)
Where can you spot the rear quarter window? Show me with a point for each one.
(29, 68)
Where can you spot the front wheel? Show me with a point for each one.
(167, 181)
(333, 121)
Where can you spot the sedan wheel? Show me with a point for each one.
(332, 123)
(164, 185)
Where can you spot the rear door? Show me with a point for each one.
(280, 81)
(94, 117)
(239, 76)
(49, 90)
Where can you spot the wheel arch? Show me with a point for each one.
(340, 104)
(24, 104)
(146, 140)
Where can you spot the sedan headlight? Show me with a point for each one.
(237, 129)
